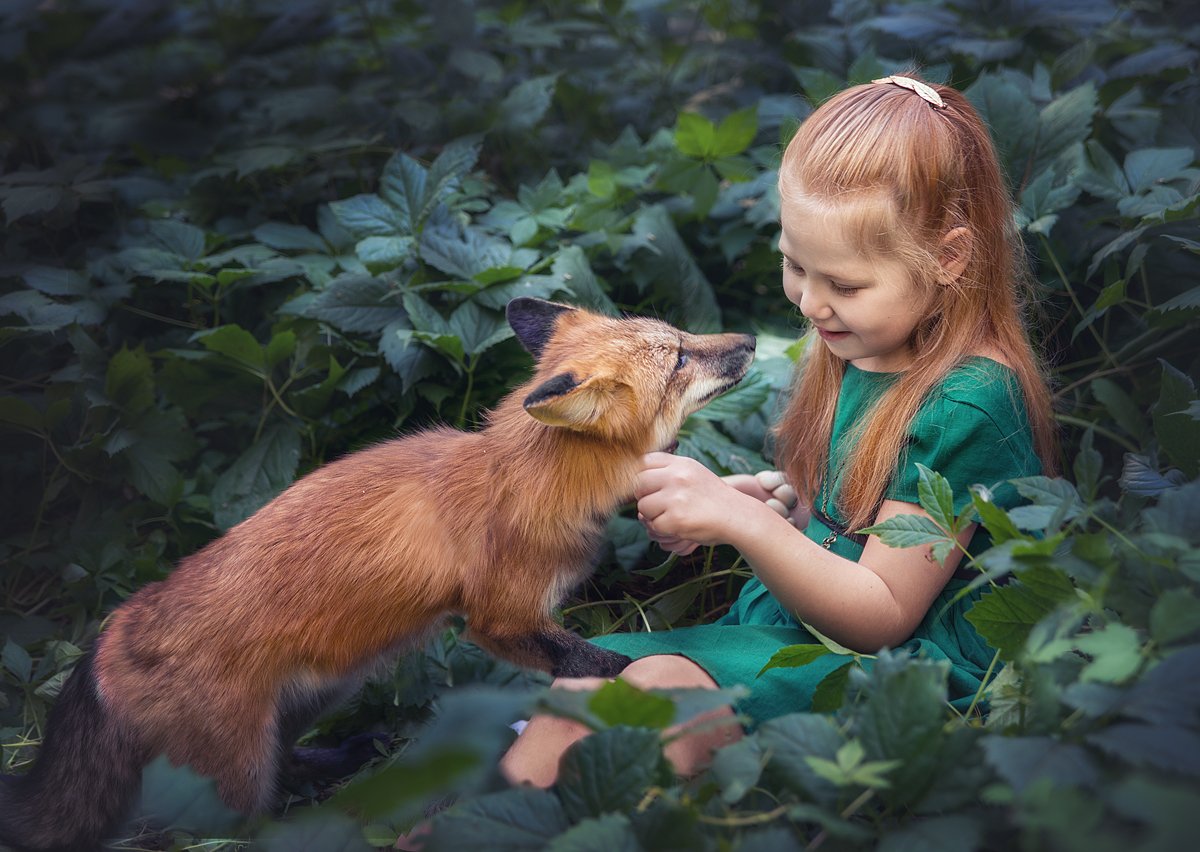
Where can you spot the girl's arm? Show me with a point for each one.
(865, 605)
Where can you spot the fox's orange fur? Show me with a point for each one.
(224, 663)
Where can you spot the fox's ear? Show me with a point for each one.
(572, 403)
(533, 321)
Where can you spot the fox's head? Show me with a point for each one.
(631, 380)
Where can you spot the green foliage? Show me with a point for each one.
(297, 235)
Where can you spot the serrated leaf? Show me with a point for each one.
(830, 693)
(735, 132)
(236, 344)
(369, 215)
(1023, 761)
(178, 238)
(1175, 616)
(356, 303)
(402, 186)
(287, 237)
(906, 531)
(1147, 167)
(936, 497)
(610, 771)
(385, 252)
(789, 740)
(524, 106)
(1004, 616)
(1170, 748)
(259, 474)
(995, 520)
(620, 703)
(1115, 651)
(694, 135)
(793, 656)
(523, 819)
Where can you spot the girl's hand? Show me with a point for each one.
(770, 487)
(682, 503)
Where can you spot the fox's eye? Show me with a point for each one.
(682, 362)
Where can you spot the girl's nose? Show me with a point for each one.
(814, 307)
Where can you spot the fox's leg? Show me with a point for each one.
(551, 648)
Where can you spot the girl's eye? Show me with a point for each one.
(792, 267)
(682, 361)
(840, 290)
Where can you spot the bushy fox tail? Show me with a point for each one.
(84, 780)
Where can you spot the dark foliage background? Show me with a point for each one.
(243, 238)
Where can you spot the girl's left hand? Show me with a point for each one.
(679, 498)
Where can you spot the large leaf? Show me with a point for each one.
(1024, 761)
(260, 473)
(610, 771)
(1005, 615)
(522, 819)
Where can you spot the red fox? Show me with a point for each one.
(222, 665)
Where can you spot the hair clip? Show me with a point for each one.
(927, 93)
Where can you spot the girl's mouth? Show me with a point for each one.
(832, 335)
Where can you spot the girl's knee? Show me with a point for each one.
(667, 671)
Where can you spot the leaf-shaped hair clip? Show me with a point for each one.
(927, 93)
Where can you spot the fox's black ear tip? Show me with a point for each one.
(533, 320)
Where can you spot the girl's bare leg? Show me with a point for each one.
(534, 757)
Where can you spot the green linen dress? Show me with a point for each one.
(972, 429)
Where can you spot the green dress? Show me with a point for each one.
(972, 429)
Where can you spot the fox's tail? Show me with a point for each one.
(85, 778)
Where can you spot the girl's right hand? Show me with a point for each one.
(768, 486)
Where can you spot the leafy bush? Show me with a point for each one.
(243, 239)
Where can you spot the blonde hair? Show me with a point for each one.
(902, 174)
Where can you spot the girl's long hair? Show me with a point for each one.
(902, 173)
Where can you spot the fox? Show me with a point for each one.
(223, 664)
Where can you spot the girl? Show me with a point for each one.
(899, 249)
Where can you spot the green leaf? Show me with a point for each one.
(523, 819)
(793, 656)
(368, 216)
(259, 474)
(281, 347)
(1119, 406)
(605, 833)
(950, 833)
(906, 531)
(830, 693)
(17, 412)
(178, 238)
(17, 660)
(611, 771)
(572, 268)
(996, 520)
(695, 135)
(1175, 616)
(1024, 761)
(317, 831)
(286, 237)
(176, 796)
(236, 344)
(792, 738)
(129, 381)
(477, 328)
(936, 497)
(356, 303)
(737, 768)
(1178, 436)
(402, 185)
(385, 252)
(524, 106)
(1005, 615)
(1116, 653)
(1169, 748)
(1147, 167)
(735, 133)
(671, 266)
(620, 703)
(1065, 121)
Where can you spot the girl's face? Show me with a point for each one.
(864, 307)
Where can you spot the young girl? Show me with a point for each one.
(899, 248)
